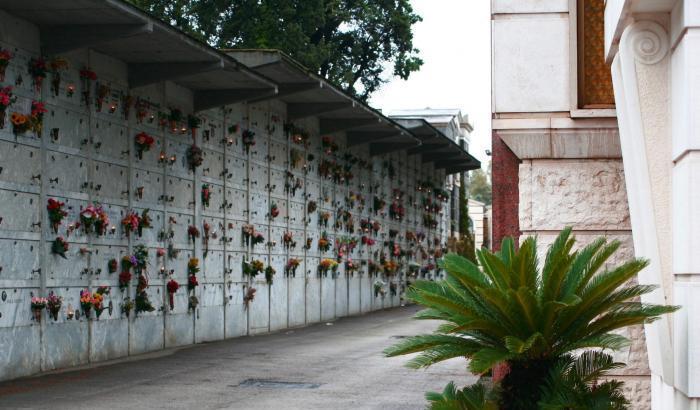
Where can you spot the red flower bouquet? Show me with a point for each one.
(143, 143)
(56, 213)
(172, 286)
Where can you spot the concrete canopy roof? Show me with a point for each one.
(306, 94)
(153, 50)
(438, 148)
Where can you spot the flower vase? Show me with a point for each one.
(98, 312)
(54, 314)
(171, 300)
(37, 315)
(3, 68)
(56, 84)
(2, 119)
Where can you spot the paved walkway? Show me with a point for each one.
(340, 367)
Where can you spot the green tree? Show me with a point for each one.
(480, 186)
(349, 42)
(511, 311)
(465, 246)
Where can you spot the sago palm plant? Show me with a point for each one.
(508, 310)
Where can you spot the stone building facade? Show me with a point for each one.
(191, 155)
(557, 160)
(653, 49)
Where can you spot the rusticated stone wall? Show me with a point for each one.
(590, 196)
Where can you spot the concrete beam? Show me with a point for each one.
(328, 126)
(62, 39)
(141, 75)
(386, 148)
(290, 89)
(205, 99)
(363, 137)
(302, 110)
(439, 156)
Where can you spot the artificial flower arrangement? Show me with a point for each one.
(274, 211)
(142, 303)
(130, 223)
(309, 241)
(94, 219)
(379, 289)
(38, 304)
(365, 225)
(323, 218)
(292, 184)
(296, 158)
(193, 123)
(87, 76)
(248, 138)
(429, 221)
(103, 91)
(311, 207)
(393, 288)
(411, 236)
(37, 69)
(124, 279)
(206, 195)
(373, 268)
(291, 267)
(324, 245)
(192, 270)
(396, 211)
(393, 233)
(441, 195)
(288, 240)
(127, 306)
(247, 232)
(98, 300)
(249, 296)
(192, 282)
(378, 205)
(5, 58)
(376, 227)
(174, 118)
(269, 274)
(22, 123)
(390, 267)
(86, 302)
(56, 213)
(195, 157)
(112, 266)
(325, 169)
(329, 146)
(6, 99)
(366, 240)
(192, 233)
(59, 247)
(351, 267)
(253, 268)
(172, 287)
(298, 135)
(143, 143)
(327, 265)
(53, 305)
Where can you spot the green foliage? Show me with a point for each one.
(509, 310)
(573, 384)
(350, 42)
(470, 398)
(480, 186)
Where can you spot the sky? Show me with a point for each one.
(455, 45)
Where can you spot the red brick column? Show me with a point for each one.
(506, 197)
